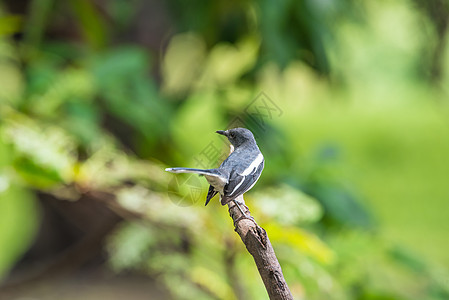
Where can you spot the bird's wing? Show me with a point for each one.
(243, 182)
(210, 194)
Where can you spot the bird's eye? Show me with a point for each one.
(232, 135)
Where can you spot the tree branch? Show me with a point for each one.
(258, 245)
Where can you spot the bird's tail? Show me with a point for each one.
(210, 172)
(216, 180)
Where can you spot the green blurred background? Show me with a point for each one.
(348, 101)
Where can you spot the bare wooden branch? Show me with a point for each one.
(258, 245)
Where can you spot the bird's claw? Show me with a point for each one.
(243, 216)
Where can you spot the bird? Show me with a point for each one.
(238, 173)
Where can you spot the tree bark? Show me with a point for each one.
(258, 245)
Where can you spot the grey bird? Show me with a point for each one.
(238, 173)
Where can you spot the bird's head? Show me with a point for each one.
(238, 136)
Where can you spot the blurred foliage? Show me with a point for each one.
(354, 193)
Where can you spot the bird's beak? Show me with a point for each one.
(222, 132)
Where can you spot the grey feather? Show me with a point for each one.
(238, 172)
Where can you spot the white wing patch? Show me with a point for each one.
(253, 166)
(255, 181)
(238, 185)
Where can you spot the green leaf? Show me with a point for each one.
(341, 206)
(40, 151)
(129, 245)
(301, 240)
(92, 24)
(10, 24)
(183, 63)
(10, 74)
(18, 224)
(289, 205)
(36, 175)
